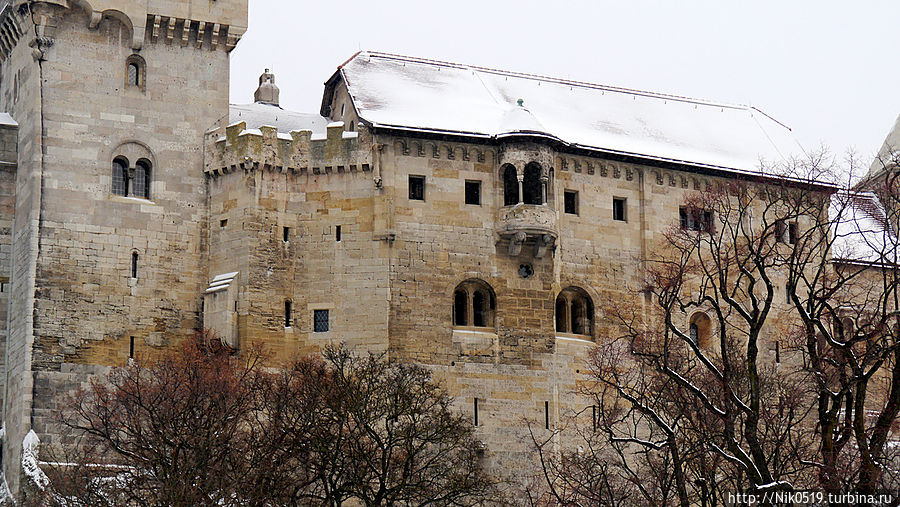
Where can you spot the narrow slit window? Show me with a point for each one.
(777, 352)
(285, 234)
(131, 348)
(417, 188)
(547, 415)
(134, 265)
(619, 209)
(570, 198)
(594, 416)
(337, 233)
(476, 411)
(287, 314)
(320, 321)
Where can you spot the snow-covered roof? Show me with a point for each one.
(6, 119)
(862, 232)
(417, 94)
(264, 115)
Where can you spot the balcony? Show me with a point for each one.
(528, 223)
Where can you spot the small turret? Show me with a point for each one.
(267, 93)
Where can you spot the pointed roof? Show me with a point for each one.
(415, 94)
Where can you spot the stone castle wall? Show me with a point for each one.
(76, 300)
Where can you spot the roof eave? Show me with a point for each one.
(626, 156)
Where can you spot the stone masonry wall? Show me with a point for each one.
(74, 239)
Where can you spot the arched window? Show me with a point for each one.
(574, 312)
(131, 181)
(135, 70)
(473, 304)
(699, 329)
(120, 176)
(510, 186)
(532, 187)
(141, 185)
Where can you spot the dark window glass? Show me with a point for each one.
(120, 177)
(417, 188)
(141, 183)
(479, 304)
(570, 202)
(780, 230)
(320, 321)
(696, 219)
(510, 186)
(793, 233)
(695, 332)
(618, 209)
(288, 318)
(337, 233)
(134, 74)
(134, 265)
(473, 192)
(459, 308)
(561, 316)
(532, 190)
(286, 233)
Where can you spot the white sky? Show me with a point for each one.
(828, 69)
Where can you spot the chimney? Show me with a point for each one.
(267, 93)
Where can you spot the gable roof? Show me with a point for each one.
(415, 94)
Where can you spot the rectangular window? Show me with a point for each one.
(476, 411)
(787, 292)
(570, 202)
(320, 321)
(134, 265)
(780, 231)
(473, 192)
(547, 415)
(337, 233)
(696, 219)
(223, 222)
(286, 234)
(417, 188)
(3, 286)
(287, 314)
(131, 348)
(619, 209)
(793, 233)
(777, 352)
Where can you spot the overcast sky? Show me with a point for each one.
(828, 69)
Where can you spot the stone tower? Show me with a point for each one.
(110, 100)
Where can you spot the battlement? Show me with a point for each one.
(213, 24)
(237, 147)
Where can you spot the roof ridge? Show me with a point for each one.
(551, 79)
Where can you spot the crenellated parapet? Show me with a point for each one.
(203, 23)
(236, 148)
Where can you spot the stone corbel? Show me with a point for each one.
(541, 246)
(516, 242)
(96, 17)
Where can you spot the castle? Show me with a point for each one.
(472, 220)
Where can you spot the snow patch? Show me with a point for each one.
(416, 94)
(30, 464)
(6, 119)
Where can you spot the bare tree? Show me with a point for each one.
(371, 429)
(761, 352)
(204, 426)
